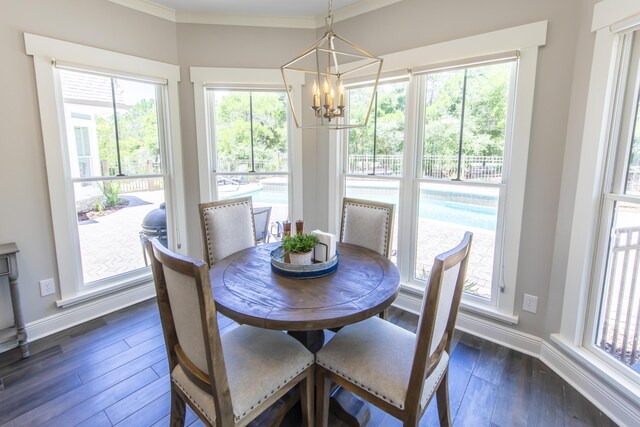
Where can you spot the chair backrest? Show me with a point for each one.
(368, 224)
(189, 323)
(261, 218)
(227, 227)
(439, 313)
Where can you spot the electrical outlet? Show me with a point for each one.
(47, 287)
(530, 303)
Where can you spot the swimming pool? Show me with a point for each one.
(435, 208)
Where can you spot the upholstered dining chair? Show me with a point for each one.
(368, 224)
(227, 227)
(261, 218)
(394, 369)
(227, 380)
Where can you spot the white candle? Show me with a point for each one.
(326, 92)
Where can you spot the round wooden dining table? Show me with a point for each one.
(246, 290)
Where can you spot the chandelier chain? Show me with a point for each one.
(330, 15)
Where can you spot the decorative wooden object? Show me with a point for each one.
(9, 267)
(246, 290)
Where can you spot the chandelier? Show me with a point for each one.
(327, 61)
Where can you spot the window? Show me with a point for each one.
(251, 143)
(248, 144)
(455, 168)
(124, 133)
(113, 155)
(615, 319)
(459, 157)
(466, 112)
(374, 154)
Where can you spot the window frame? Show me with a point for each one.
(205, 78)
(44, 50)
(502, 186)
(611, 19)
(525, 39)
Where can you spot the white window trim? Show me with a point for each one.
(526, 39)
(247, 77)
(610, 17)
(46, 50)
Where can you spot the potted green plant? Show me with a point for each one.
(299, 248)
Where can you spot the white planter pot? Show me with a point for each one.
(302, 258)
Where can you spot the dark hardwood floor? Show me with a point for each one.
(113, 371)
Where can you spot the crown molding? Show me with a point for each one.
(303, 22)
(149, 7)
(356, 9)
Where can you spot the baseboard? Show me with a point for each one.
(78, 314)
(607, 398)
(408, 302)
(499, 333)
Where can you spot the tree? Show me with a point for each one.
(138, 138)
(232, 123)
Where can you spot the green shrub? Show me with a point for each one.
(111, 191)
(299, 243)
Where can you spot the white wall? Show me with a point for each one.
(24, 213)
(412, 23)
(24, 210)
(579, 92)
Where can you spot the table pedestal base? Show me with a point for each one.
(312, 340)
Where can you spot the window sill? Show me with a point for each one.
(144, 278)
(470, 306)
(610, 375)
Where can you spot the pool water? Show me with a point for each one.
(465, 214)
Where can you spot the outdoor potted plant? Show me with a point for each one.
(299, 248)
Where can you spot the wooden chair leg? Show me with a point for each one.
(178, 410)
(323, 390)
(306, 398)
(384, 315)
(442, 395)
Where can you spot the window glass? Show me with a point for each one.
(250, 130)
(633, 172)
(110, 216)
(377, 149)
(445, 212)
(103, 147)
(617, 318)
(126, 143)
(251, 141)
(465, 122)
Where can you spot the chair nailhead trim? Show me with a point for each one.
(238, 417)
(398, 405)
(204, 412)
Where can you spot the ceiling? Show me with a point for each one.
(262, 13)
